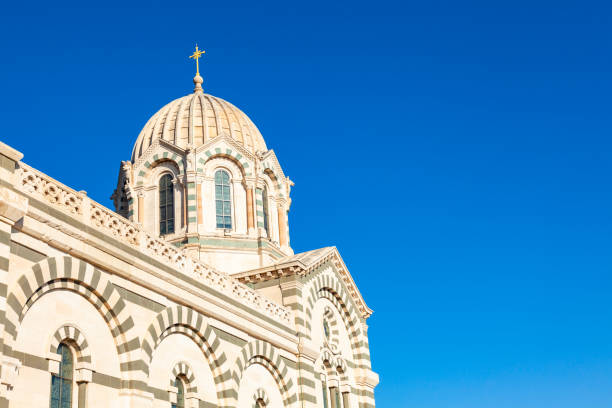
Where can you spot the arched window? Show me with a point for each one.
(180, 393)
(166, 205)
(266, 216)
(61, 383)
(223, 201)
(324, 387)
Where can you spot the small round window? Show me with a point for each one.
(326, 329)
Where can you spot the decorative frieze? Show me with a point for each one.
(33, 183)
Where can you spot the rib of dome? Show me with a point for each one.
(195, 119)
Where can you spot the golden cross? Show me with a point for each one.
(196, 55)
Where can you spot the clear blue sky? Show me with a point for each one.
(457, 153)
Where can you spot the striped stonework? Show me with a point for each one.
(328, 359)
(235, 156)
(264, 354)
(165, 156)
(333, 326)
(186, 321)
(292, 298)
(259, 209)
(75, 275)
(184, 370)
(326, 285)
(342, 368)
(192, 205)
(5, 249)
(267, 168)
(76, 338)
(260, 399)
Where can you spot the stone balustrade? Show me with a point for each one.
(34, 183)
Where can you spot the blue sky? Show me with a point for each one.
(457, 153)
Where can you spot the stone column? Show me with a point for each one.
(140, 208)
(250, 210)
(325, 395)
(199, 195)
(345, 389)
(333, 395)
(282, 226)
(84, 375)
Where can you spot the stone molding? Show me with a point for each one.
(297, 267)
(264, 354)
(12, 205)
(36, 184)
(10, 153)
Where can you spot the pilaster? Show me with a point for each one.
(282, 226)
(291, 289)
(250, 210)
(12, 209)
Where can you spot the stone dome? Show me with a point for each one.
(196, 119)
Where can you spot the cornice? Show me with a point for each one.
(297, 267)
(117, 229)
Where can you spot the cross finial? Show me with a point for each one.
(196, 55)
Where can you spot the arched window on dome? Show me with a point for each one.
(266, 215)
(223, 202)
(166, 205)
(61, 383)
(180, 393)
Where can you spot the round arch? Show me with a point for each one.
(186, 321)
(69, 332)
(326, 285)
(182, 368)
(172, 159)
(266, 355)
(260, 395)
(235, 157)
(75, 275)
(227, 163)
(273, 182)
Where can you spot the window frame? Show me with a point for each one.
(266, 210)
(172, 204)
(58, 380)
(229, 201)
(180, 384)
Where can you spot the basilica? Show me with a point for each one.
(186, 295)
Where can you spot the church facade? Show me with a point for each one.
(188, 294)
